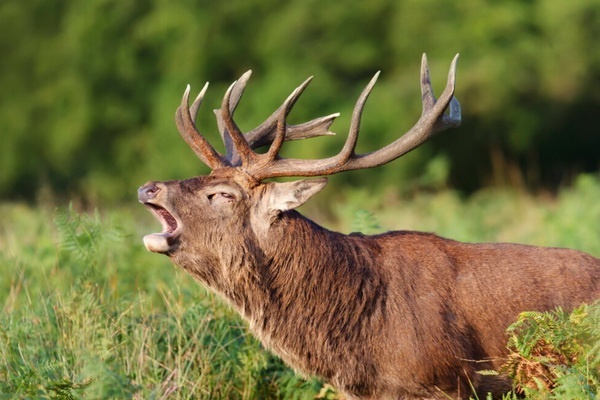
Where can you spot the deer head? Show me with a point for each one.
(211, 220)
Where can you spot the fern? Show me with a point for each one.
(83, 236)
(556, 354)
(366, 222)
(63, 389)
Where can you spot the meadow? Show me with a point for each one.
(87, 312)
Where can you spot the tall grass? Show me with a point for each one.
(87, 312)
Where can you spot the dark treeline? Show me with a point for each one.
(89, 88)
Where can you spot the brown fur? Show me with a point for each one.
(401, 315)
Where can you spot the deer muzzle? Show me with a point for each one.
(152, 195)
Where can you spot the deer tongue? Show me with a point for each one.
(157, 242)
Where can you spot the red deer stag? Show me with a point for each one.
(400, 315)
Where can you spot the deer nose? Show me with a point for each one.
(148, 191)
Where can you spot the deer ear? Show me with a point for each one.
(289, 195)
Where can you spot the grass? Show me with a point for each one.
(87, 312)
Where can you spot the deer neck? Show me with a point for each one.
(311, 285)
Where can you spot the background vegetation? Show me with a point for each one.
(89, 88)
(88, 93)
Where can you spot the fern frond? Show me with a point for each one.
(556, 354)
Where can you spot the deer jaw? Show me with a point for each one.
(154, 196)
(200, 201)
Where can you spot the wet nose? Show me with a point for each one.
(149, 191)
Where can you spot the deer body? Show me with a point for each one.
(401, 315)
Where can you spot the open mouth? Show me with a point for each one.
(162, 242)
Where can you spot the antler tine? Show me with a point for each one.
(453, 119)
(269, 126)
(348, 150)
(236, 95)
(427, 95)
(284, 110)
(247, 156)
(313, 128)
(431, 121)
(185, 118)
(238, 90)
(197, 103)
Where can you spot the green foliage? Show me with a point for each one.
(89, 88)
(83, 236)
(491, 215)
(366, 222)
(71, 335)
(556, 355)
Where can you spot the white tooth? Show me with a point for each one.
(156, 243)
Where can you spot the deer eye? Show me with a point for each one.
(225, 195)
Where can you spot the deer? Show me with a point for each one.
(397, 315)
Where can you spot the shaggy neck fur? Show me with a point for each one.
(309, 307)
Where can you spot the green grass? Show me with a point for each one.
(87, 312)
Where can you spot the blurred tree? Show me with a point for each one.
(89, 88)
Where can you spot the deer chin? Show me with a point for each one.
(164, 241)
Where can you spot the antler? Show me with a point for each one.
(185, 119)
(275, 131)
(263, 134)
